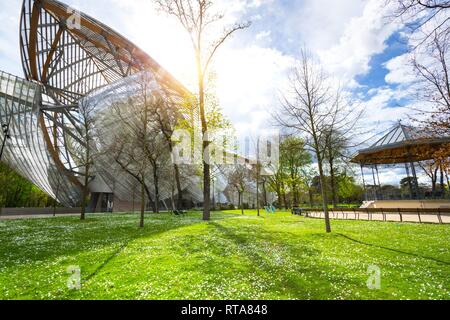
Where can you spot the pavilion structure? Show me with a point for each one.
(402, 145)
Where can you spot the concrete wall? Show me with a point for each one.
(126, 206)
(36, 211)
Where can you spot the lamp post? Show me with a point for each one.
(213, 193)
(5, 129)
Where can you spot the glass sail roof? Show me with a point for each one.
(63, 65)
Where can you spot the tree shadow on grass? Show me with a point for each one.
(393, 250)
(68, 236)
(260, 261)
(122, 247)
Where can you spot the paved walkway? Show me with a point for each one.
(406, 217)
(36, 216)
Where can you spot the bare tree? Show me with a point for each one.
(129, 162)
(130, 143)
(157, 155)
(139, 145)
(433, 70)
(166, 115)
(336, 148)
(429, 24)
(312, 111)
(424, 18)
(431, 169)
(238, 178)
(197, 17)
(83, 150)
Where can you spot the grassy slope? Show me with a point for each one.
(232, 257)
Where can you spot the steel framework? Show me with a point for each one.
(66, 57)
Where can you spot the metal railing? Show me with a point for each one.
(420, 215)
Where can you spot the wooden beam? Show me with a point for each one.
(32, 52)
(51, 54)
(54, 155)
(117, 40)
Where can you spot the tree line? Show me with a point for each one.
(17, 192)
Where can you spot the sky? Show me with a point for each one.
(353, 40)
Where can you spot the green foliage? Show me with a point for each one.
(298, 179)
(232, 257)
(348, 190)
(289, 176)
(16, 191)
(293, 156)
(220, 128)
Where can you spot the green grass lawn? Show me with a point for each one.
(232, 257)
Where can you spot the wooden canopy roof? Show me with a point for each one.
(402, 144)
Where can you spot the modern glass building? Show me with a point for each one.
(69, 57)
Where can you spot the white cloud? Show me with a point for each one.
(263, 35)
(400, 70)
(363, 37)
(321, 23)
(9, 37)
(249, 81)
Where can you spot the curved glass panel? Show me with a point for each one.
(25, 149)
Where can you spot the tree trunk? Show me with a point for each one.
(213, 199)
(257, 187)
(206, 192)
(284, 200)
(176, 171)
(333, 184)
(324, 197)
(172, 198)
(311, 198)
(178, 184)
(280, 200)
(156, 180)
(433, 184)
(141, 224)
(205, 143)
(264, 193)
(448, 180)
(241, 205)
(141, 182)
(85, 193)
(83, 204)
(294, 192)
(134, 196)
(322, 180)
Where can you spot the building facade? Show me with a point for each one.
(69, 59)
